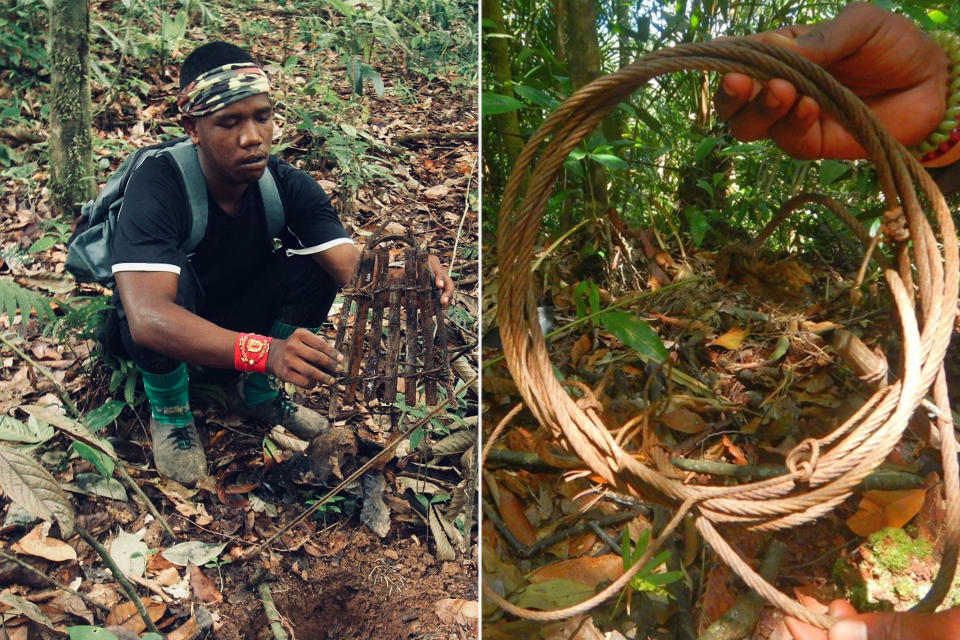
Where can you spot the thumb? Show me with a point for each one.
(832, 40)
(850, 630)
(898, 626)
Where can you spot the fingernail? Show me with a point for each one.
(848, 630)
(782, 40)
(771, 100)
(339, 357)
(727, 89)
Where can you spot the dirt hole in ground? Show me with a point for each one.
(361, 593)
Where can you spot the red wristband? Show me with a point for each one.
(250, 352)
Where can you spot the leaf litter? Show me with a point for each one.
(332, 564)
(711, 376)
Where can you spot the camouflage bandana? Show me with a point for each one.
(219, 87)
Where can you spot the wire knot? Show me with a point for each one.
(803, 458)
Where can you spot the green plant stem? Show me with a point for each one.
(273, 616)
(65, 397)
(556, 243)
(122, 471)
(579, 321)
(122, 579)
(28, 567)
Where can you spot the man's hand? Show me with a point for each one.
(889, 62)
(880, 626)
(304, 359)
(444, 282)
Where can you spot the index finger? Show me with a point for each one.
(324, 347)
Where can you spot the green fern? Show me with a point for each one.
(15, 298)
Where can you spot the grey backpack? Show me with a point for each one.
(88, 252)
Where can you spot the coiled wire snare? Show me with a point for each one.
(823, 472)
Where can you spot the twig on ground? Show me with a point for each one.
(122, 471)
(270, 610)
(121, 578)
(387, 450)
(28, 567)
(436, 135)
(878, 480)
(68, 402)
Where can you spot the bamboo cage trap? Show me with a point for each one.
(392, 326)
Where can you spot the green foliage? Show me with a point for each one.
(647, 578)
(19, 48)
(15, 300)
(635, 333)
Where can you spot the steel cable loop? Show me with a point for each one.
(926, 275)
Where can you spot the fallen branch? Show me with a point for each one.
(121, 578)
(877, 480)
(436, 135)
(28, 567)
(270, 610)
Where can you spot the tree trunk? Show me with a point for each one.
(585, 67)
(507, 125)
(71, 155)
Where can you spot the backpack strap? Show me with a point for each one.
(272, 206)
(184, 155)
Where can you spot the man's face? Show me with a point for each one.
(234, 142)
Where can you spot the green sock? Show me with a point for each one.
(258, 388)
(168, 394)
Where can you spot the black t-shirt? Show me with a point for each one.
(155, 219)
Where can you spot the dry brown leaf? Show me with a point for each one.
(168, 577)
(578, 628)
(203, 586)
(511, 510)
(36, 543)
(881, 509)
(731, 340)
(463, 612)
(519, 439)
(717, 597)
(580, 348)
(125, 615)
(437, 192)
(185, 631)
(587, 570)
(735, 451)
(73, 605)
(682, 420)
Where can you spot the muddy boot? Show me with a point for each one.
(299, 420)
(177, 451)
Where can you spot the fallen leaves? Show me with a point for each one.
(203, 586)
(881, 509)
(731, 340)
(463, 612)
(37, 543)
(588, 570)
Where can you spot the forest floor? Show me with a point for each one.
(754, 368)
(331, 576)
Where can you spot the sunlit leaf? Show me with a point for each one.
(881, 509)
(731, 340)
(494, 104)
(635, 333)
